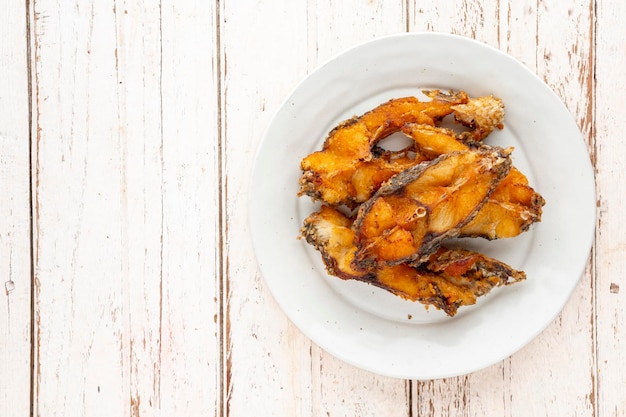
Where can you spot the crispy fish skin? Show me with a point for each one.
(412, 213)
(512, 207)
(449, 279)
(329, 175)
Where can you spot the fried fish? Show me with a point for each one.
(411, 214)
(449, 279)
(404, 205)
(512, 207)
(339, 173)
(350, 168)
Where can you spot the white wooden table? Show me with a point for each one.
(127, 134)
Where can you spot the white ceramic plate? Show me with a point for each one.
(369, 327)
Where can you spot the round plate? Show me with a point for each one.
(366, 326)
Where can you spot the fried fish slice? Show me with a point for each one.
(330, 232)
(410, 215)
(328, 175)
(509, 211)
(433, 141)
(512, 207)
(369, 175)
(449, 279)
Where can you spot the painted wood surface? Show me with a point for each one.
(609, 261)
(15, 257)
(129, 130)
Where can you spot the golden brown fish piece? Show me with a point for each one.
(333, 174)
(330, 232)
(449, 279)
(412, 213)
(369, 175)
(510, 210)
(512, 207)
(432, 141)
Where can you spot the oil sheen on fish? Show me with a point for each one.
(411, 214)
(448, 280)
(512, 207)
(345, 171)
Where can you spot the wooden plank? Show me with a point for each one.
(82, 229)
(529, 38)
(340, 389)
(461, 17)
(125, 289)
(267, 359)
(610, 265)
(137, 36)
(81, 340)
(15, 269)
(191, 365)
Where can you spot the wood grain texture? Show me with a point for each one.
(191, 363)
(79, 284)
(564, 54)
(267, 360)
(15, 267)
(462, 17)
(610, 262)
(126, 302)
(144, 296)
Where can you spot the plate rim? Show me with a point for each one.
(314, 336)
